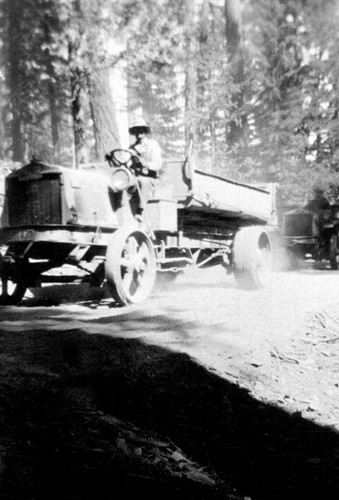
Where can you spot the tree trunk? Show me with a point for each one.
(77, 83)
(52, 95)
(191, 75)
(103, 114)
(2, 128)
(14, 79)
(236, 133)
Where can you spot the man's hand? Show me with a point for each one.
(134, 153)
(143, 165)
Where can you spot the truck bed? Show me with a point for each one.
(194, 189)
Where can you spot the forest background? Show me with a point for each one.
(254, 83)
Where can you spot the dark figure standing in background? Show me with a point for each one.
(149, 156)
(319, 202)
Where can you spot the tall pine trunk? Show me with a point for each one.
(191, 74)
(77, 83)
(103, 113)
(52, 94)
(236, 132)
(2, 128)
(14, 79)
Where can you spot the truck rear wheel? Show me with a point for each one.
(252, 258)
(130, 266)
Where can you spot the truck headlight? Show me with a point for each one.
(122, 179)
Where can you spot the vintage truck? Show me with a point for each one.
(311, 234)
(83, 219)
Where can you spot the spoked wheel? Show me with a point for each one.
(252, 258)
(130, 266)
(333, 252)
(11, 293)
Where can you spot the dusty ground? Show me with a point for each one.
(206, 391)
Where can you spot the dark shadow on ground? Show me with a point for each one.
(56, 295)
(62, 393)
(127, 322)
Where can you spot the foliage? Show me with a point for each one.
(57, 57)
(65, 48)
(292, 83)
(154, 62)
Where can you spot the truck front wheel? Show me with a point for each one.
(130, 266)
(252, 258)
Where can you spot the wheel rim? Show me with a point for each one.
(135, 267)
(130, 267)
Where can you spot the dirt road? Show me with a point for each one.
(279, 344)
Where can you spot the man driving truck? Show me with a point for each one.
(148, 152)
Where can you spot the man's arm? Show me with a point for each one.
(153, 157)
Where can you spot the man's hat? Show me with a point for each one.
(139, 123)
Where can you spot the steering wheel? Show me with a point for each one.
(123, 158)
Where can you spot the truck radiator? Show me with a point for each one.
(34, 201)
(299, 225)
